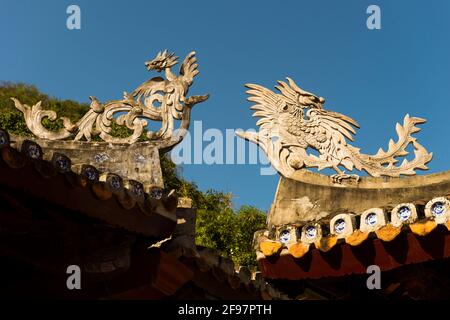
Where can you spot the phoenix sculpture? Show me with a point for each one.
(294, 121)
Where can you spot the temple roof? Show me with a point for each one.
(110, 227)
(35, 172)
(345, 243)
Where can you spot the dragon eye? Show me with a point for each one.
(285, 107)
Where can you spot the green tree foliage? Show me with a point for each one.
(248, 220)
(219, 226)
(231, 232)
(11, 119)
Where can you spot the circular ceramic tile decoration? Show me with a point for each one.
(438, 209)
(285, 236)
(371, 219)
(403, 213)
(339, 226)
(61, 162)
(90, 173)
(311, 232)
(32, 149)
(136, 188)
(115, 181)
(156, 193)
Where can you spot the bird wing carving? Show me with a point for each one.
(267, 107)
(334, 122)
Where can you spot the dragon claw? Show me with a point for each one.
(339, 177)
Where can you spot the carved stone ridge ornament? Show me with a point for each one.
(294, 120)
(158, 99)
(162, 100)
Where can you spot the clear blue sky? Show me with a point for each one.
(376, 77)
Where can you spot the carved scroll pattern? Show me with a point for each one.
(160, 100)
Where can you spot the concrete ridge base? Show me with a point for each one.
(139, 161)
(307, 196)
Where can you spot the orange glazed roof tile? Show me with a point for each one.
(348, 243)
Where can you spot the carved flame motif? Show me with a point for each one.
(294, 120)
(158, 99)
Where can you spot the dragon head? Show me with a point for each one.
(162, 61)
